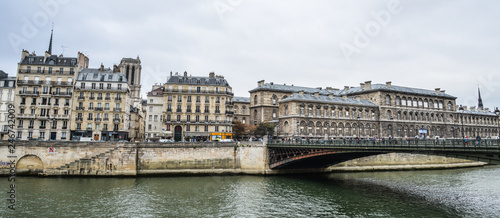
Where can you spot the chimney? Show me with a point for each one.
(102, 67)
(316, 94)
(368, 85)
(260, 83)
(487, 109)
(443, 91)
(388, 84)
(115, 69)
(271, 83)
(185, 74)
(362, 85)
(473, 108)
(465, 108)
(438, 90)
(211, 75)
(170, 73)
(346, 88)
(24, 54)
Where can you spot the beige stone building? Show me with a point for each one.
(198, 108)
(155, 128)
(101, 105)
(241, 109)
(7, 93)
(370, 110)
(43, 95)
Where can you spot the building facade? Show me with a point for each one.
(241, 109)
(367, 111)
(43, 95)
(155, 128)
(101, 105)
(7, 93)
(198, 108)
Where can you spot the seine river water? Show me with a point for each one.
(471, 192)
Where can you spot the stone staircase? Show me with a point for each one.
(98, 165)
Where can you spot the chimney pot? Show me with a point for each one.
(368, 85)
(388, 84)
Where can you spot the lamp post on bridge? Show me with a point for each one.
(461, 109)
(358, 118)
(497, 112)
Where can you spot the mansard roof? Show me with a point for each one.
(52, 60)
(241, 99)
(100, 75)
(198, 80)
(293, 89)
(328, 100)
(393, 88)
(156, 92)
(477, 112)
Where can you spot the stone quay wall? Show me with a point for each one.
(150, 159)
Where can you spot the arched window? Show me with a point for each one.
(403, 101)
(274, 99)
(431, 105)
(389, 114)
(415, 102)
(426, 103)
(440, 104)
(243, 110)
(255, 116)
(255, 99)
(387, 100)
(274, 114)
(449, 106)
(398, 101)
(286, 109)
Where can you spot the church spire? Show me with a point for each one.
(479, 100)
(50, 43)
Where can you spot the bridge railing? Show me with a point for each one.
(394, 142)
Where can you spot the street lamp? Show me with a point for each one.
(359, 136)
(497, 112)
(461, 109)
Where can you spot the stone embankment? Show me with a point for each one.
(149, 159)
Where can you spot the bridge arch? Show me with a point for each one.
(29, 165)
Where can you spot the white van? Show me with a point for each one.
(86, 139)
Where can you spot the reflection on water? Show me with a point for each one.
(469, 192)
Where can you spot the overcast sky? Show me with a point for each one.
(453, 45)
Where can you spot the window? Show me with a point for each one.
(179, 98)
(387, 100)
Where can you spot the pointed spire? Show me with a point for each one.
(479, 100)
(50, 43)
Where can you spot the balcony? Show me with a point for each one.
(79, 119)
(99, 98)
(34, 93)
(117, 109)
(60, 83)
(89, 129)
(92, 98)
(106, 108)
(80, 108)
(81, 97)
(118, 99)
(105, 119)
(29, 127)
(65, 127)
(97, 119)
(25, 116)
(29, 82)
(107, 98)
(217, 111)
(229, 112)
(64, 94)
(98, 109)
(43, 127)
(60, 116)
(116, 120)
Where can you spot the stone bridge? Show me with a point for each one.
(322, 154)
